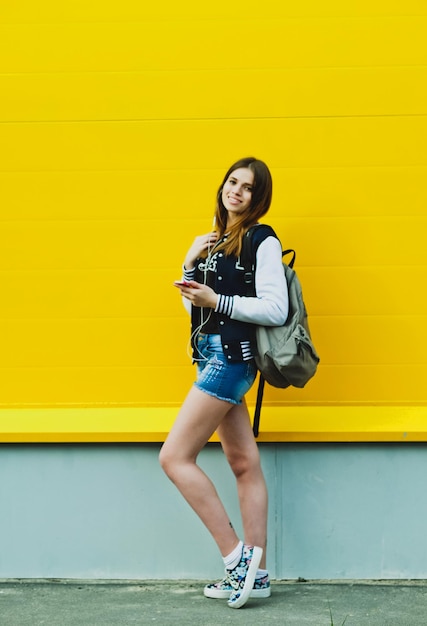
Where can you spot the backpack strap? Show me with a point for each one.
(248, 261)
(258, 404)
(294, 256)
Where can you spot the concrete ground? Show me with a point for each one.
(117, 603)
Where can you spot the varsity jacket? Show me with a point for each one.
(238, 314)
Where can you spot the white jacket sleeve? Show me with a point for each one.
(271, 304)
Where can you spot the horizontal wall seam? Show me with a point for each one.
(291, 69)
(210, 119)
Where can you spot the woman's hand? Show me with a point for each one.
(198, 294)
(199, 245)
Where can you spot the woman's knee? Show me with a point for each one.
(172, 462)
(166, 460)
(243, 464)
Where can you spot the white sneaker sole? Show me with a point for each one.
(221, 594)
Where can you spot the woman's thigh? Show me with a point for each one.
(196, 421)
(236, 436)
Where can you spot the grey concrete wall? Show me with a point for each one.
(107, 511)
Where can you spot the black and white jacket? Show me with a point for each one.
(238, 314)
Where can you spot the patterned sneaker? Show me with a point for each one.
(223, 588)
(242, 577)
(261, 588)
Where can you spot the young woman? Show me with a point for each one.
(224, 346)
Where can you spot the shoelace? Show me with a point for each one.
(234, 579)
(228, 580)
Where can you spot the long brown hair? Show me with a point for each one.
(260, 203)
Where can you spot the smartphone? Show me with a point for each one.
(181, 283)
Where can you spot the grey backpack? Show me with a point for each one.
(286, 354)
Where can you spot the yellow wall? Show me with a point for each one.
(118, 121)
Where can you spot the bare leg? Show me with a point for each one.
(241, 450)
(197, 420)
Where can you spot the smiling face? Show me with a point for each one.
(237, 193)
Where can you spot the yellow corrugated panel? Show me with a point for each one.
(372, 340)
(118, 122)
(359, 361)
(343, 242)
(304, 193)
(133, 244)
(350, 192)
(193, 95)
(131, 342)
(354, 384)
(87, 293)
(91, 293)
(94, 342)
(104, 195)
(99, 244)
(392, 290)
(26, 11)
(145, 386)
(213, 45)
(200, 144)
(104, 386)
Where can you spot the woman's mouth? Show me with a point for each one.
(233, 200)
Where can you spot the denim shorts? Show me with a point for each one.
(218, 377)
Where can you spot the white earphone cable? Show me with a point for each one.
(196, 332)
